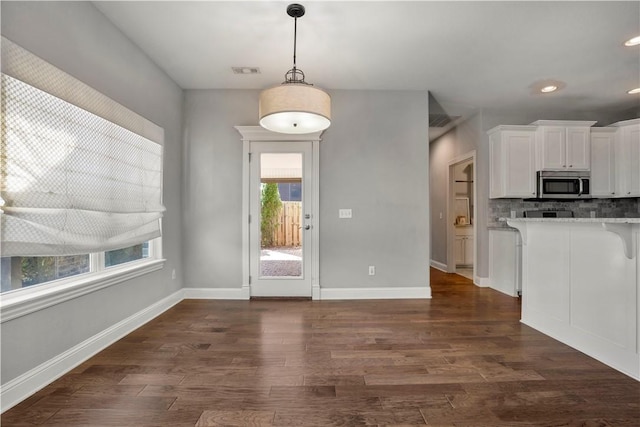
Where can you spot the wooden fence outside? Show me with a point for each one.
(289, 230)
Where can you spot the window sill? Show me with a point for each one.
(29, 300)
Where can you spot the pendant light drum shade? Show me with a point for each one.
(295, 108)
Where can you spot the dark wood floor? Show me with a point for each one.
(460, 359)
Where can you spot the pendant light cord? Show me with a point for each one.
(295, 75)
(295, 38)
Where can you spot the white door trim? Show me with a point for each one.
(258, 134)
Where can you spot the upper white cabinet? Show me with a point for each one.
(563, 145)
(628, 158)
(512, 162)
(603, 162)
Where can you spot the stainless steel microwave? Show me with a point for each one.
(564, 185)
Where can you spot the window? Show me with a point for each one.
(22, 272)
(290, 191)
(80, 181)
(132, 253)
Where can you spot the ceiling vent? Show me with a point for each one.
(245, 70)
(441, 120)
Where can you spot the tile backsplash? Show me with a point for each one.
(602, 208)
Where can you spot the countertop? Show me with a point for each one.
(576, 220)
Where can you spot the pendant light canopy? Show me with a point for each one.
(295, 106)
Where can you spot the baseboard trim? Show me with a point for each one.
(482, 282)
(439, 266)
(20, 388)
(375, 293)
(216, 293)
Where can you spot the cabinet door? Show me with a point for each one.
(468, 250)
(603, 164)
(631, 146)
(519, 164)
(458, 250)
(578, 149)
(496, 166)
(553, 147)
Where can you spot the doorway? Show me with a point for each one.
(281, 219)
(461, 215)
(257, 280)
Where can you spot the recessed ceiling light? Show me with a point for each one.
(633, 41)
(544, 86)
(634, 91)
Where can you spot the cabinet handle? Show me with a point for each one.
(570, 166)
(628, 192)
(613, 192)
(564, 166)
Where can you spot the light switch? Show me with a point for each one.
(344, 213)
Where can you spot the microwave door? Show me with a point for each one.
(560, 186)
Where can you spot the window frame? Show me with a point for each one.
(23, 301)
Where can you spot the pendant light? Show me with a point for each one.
(295, 106)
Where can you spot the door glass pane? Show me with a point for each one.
(281, 224)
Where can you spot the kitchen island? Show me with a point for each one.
(580, 285)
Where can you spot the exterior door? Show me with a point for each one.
(280, 237)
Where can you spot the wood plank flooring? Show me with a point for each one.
(459, 359)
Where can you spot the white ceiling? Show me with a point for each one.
(474, 54)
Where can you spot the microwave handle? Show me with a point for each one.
(581, 187)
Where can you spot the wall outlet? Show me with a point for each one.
(345, 213)
(372, 270)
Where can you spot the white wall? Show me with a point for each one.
(77, 38)
(213, 185)
(373, 159)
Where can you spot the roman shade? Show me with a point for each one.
(71, 181)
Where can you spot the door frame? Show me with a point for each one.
(451, 230)
(258, 134)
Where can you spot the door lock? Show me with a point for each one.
(307, 227)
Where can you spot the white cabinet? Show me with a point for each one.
(505, 261)
(512, 162)
(458, 250)
(603, 162)
(628, 158)
(563, 145)
(463, 246)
